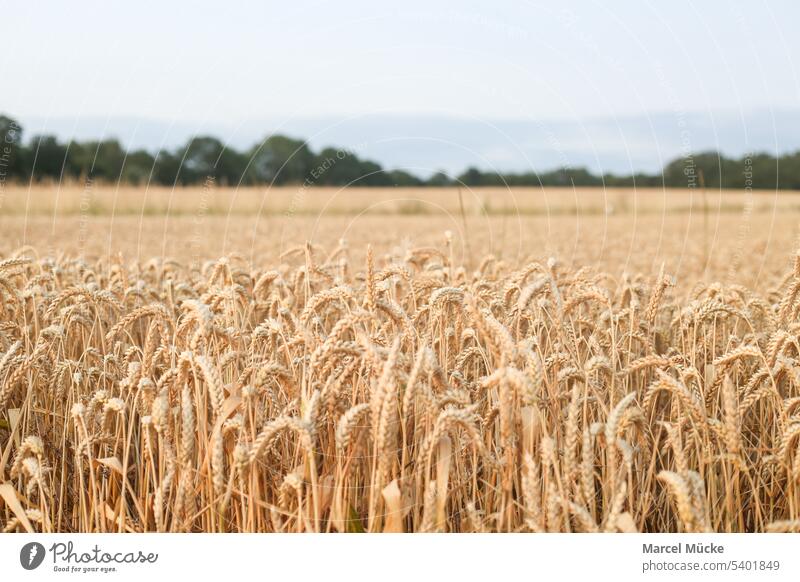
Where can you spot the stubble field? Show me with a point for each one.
(398, 360)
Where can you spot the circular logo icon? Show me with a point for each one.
(31, 555)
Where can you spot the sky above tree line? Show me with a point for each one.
(204, 65)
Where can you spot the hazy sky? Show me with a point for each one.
(213, 64)
(229, 61)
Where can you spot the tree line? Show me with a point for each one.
(281, 160)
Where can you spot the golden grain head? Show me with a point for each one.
(394, 393)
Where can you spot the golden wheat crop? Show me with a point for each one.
(397, 393)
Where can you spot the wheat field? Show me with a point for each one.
(325, 368)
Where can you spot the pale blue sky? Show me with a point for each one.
(213, 64)
(234, 60)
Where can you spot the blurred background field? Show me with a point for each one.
(705, 235)
(101, 200)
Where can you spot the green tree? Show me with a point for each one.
(101, 160)
(11, 150)
(471, 177)
(48, 157)
(767, 171)
(339, 167)
(402, 178)
(789, 171)
(139, 167)
(440, 178)
(166, 168)
(203, 157)
(280, 160)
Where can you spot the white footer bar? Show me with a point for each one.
(418, 557)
